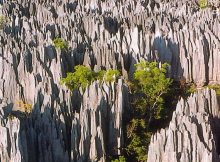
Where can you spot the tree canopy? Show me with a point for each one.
(152, 83)
(149, 85)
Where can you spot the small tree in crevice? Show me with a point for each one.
(111, 75)
(203, 4)
(81, 77)
(59, 43)
(152, 84)
(149, 86)
(2, 21)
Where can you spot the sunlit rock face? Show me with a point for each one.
(193, 133)
(87, 126)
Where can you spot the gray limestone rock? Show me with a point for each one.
(193, 133)
(102, 34)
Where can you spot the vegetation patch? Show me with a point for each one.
(119, 159)
(216, 87)
(24, 107)
(2, 21)
(59, 43)
(203, 4)
(83, 76)
(189, 89)
(111, 75)
(149, 87)
(151, 95)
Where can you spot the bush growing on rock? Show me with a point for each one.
(111, 75)
(120, 159)
(84, 76)
(81, 77)
(215, 87)
(59, 43)
(24, 107)
(2, 21)
(203, 4)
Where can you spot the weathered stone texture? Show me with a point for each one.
(193, 133)
(66, 126)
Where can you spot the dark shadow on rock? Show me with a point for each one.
(170, 54)
(111, 25)
(43, 136)
(215, 124)
(71, 6)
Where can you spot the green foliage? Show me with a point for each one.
(216, 87)
(189, 89)
(139, 147)
(24, 107)
(99, 75)
(11, 116)
(111, 75)
(2, 21)
(59, 43)
(84, 76)
(203, 4)
(120, 159)
(81, 77)
(149, 87)
(152, 83)
(139, 139)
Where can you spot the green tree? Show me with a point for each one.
(149, 87)
(152, 83)
(139, 139)
(99, 75)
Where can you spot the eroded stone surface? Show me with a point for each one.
(193, 133)
(100, 34)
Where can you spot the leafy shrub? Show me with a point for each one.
(11, 117)
(99, 75)
(139, 139)
(59, 43)
(84, 76)
(120, 159)
(24, 107)
(2, 21)
(203, 4)
(111, 75)
(81, 77)
(216, 87)
(191, 88)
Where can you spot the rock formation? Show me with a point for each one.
(87, 126)
(61, 132)
(193, 133)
